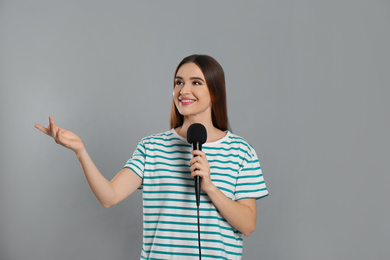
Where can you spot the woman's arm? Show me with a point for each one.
(241, 214)
(107, 192)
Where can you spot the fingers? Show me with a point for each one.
(199, 157)
(199, 170)
(59, 135)
(198, 153)
(51, 130)
(43, 129)
(195, 167)
(52, 127)
(199, 164)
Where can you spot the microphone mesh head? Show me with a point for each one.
(196, 133)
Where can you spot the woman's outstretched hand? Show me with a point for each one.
(61, 136)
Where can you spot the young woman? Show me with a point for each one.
(164, 167)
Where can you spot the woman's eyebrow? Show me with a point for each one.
(192, 78)
(197, 78)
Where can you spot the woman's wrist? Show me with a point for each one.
(80, 152)
(211, 189)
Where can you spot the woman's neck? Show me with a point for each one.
(213, 133)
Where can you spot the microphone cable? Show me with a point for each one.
(200, 251)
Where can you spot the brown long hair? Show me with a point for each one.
(215, 80)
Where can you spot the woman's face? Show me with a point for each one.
(191, 93)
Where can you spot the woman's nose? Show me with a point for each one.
(185, 89)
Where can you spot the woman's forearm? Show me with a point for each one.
(240, 215)
(99, 185)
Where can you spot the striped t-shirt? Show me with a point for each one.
(170, 228)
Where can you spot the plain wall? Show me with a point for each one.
(307, 85)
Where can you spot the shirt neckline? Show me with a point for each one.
(205, 144)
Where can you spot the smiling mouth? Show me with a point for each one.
(187, 101)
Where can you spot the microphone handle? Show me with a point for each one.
(197, 146)
(197, 190)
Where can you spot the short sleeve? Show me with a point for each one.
(137, 162)
(250, 180)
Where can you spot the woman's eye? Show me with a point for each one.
(177, 83)
(197, 83)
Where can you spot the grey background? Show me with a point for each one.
(308, 87)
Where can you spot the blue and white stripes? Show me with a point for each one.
(170, 224)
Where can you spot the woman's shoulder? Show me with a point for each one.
(234, 138)
(167, 136)
(238, 142)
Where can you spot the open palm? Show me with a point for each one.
(62, 136)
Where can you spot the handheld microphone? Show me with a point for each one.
(197, 135)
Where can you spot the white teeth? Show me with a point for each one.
(187, 101)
